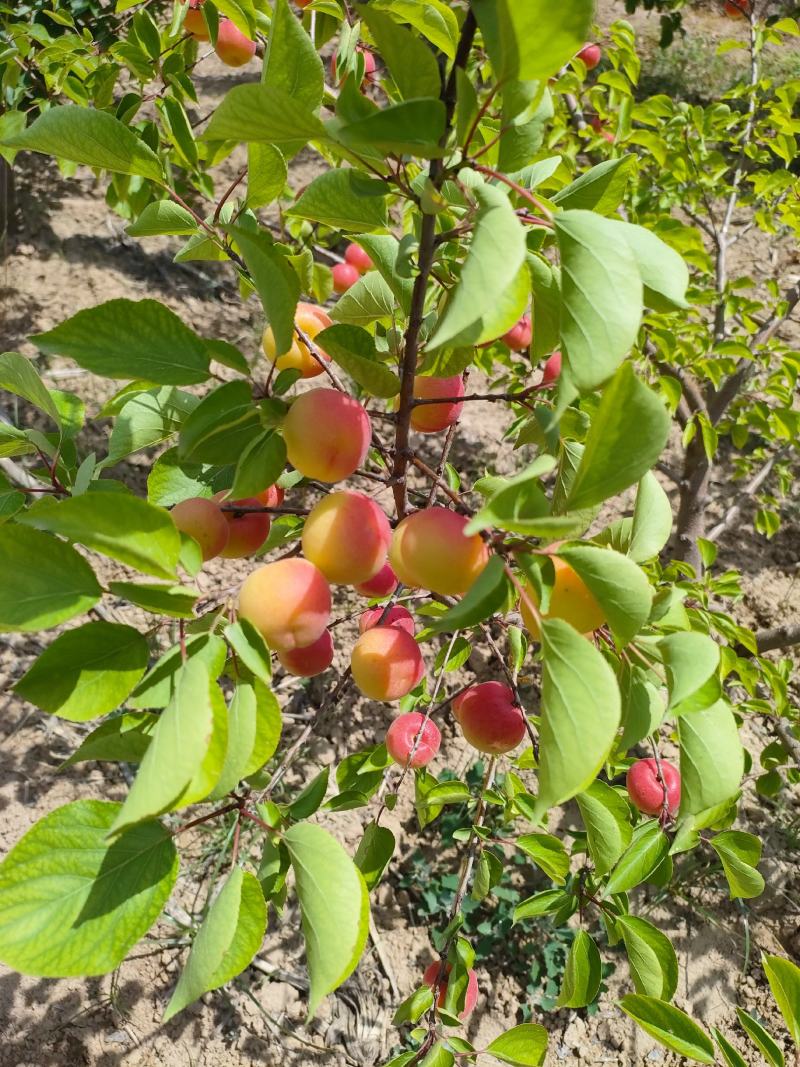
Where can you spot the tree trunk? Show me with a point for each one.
(693, 500)
(6, 204)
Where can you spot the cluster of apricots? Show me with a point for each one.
(356, 263)
(233, 47)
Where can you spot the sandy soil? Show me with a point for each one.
(71, 253)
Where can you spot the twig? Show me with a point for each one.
(749, 490)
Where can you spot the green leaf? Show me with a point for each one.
(485, 596)
(551, 900)
(178, 747)
(118, 525)
(652, 520)
(413, 1007)
(619, 586)
(177, 601)
(546, 293)
(627, 434)
(645, 854)
(384, 251)
(250, 648)
(345, 199)
(654, 965)
(266, 174)
(162, 217)
(740, 854)
(669, 1026)
(86, 672)
(268, 727)
(222, 425)
(241, 738)
(260, 465)
(18, 375)
(521, 1046)
(534, 39)
(664, 273)
(148, 419)
(494, 261)
(606, 817)
(334, 905)
(729, 1054)
(276, 282)
(598, 189)
(263, 113)
(45, 581)
(690, 659)
(547, 852)
(124, 738)
(412, 127)
(601, 294)
(761, 1038)
(158, 686)
(310, 799)
(130, 339)
(410, 61)
(369, 300)
(86, 135)
(520, 505)
(73, 904)
(292, 64)
(433, 18)
(354, 350)
(582, 973)
(228, 938)
(784, 981)
(374, 853)
(580, 714)
(712, 757)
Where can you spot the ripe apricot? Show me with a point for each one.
(386, 663)
(288, 601)
(403, 732)
(471, 998)
(570, 600)
(489, 717)
(194, 23)
(520, 335)
(738, 9)
(232, 47)
(311, 320)
(397, 615)
(646, 790)
(430, 550)
(431, 418)
(590, 54)
(358, 258)
(327, 434)
(247, 530)
(383, 583)
(551, 371)
(345, 275)
(202, 519)
(311, 660)
(272, 496)
(347, 536)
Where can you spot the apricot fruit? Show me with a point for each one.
(202, 519)
(738, 9)
(358, 258)
(386, 663)
(327, 434)
(233, 47)
(345, 275)
(402, 733)
(194, 23)
(551, 371)
(311, 320)
(471, 998)
(430, 551)
(383, 583)
(431, 418)
(271, 497)
(288, 602)
(397, 615)
(570, 600)
(520, 335)
(590, 55)
(646, 789)
(369, 64)
(347, 536)
(489, 717)
(247, 530)
(311, 660)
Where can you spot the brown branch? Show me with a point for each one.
(778, 637)
(748, 491)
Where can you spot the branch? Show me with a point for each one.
(778, 637)
(749, 490)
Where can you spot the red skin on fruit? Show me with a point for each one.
(358, 258)
(271, 497)
(386, 663)
(347, 536)
(401, 735)
(369, 64)
(345, 275)
(302, 3)
(471, 998)
(738, 9)
(311, 320)
(590, 54)
(489, 717)
(247, 530)
(288, 602)
(327, 434)
(520, 336)
(432, 418)
(311, 660)
(202, 519)
(397, 615)
(232, 47)
(570, 600)
(551, 371)
(647, 792)
(383, 583)
(430, 551)
(194, 23)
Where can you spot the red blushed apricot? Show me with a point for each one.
(311, 660)
(431, 418)
(347, 536)
(311, 320)
(570, 600)
(401, 735)
(288, 602)
(646, 789)
(738, 9)
(272, 496)
(386, 663)
(247, 530)
(345, 276)
(489, 717)
(397, 615)
(520, 335)
(590, 54)
(369, 64)
(232, 47)
(471, 998)
(327, 434)
(194, 23)
(358, 258)
(551, 371)
(383, 583)
(202, 519)
(430, 551)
